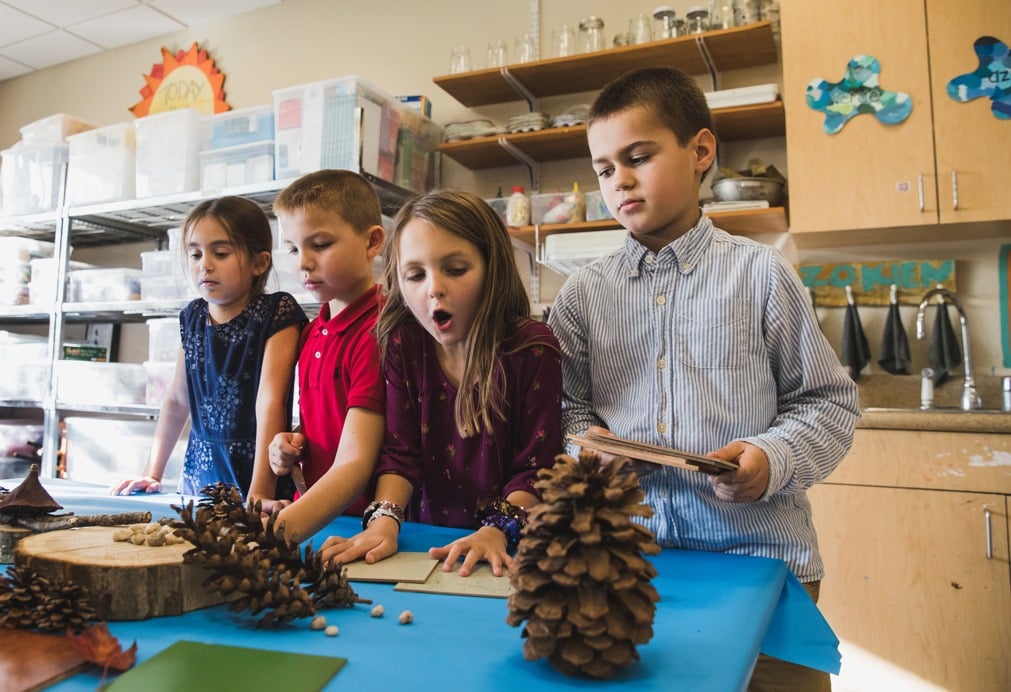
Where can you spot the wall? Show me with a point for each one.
(400, 47)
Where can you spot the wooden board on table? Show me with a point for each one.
(400, 567)
(124, 581)
(481, 582)
(623, 447)
(33, 661)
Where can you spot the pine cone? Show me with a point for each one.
(30, 601)
(579, 578)
(254, 563)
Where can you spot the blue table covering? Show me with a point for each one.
(716, 612)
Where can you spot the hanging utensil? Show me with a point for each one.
(944, 353)
(894, 356)
(855, 351)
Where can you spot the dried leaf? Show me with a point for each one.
(98, 645)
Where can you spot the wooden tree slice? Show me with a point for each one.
(125, 581)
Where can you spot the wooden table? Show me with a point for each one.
(716, 613)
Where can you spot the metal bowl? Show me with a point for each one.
(746, 189)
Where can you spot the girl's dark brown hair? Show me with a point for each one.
(503, 306)
(247, 226)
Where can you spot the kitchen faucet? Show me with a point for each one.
(970, 397)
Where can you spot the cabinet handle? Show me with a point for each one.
(919, 189)
(989, 535)
(954, 190)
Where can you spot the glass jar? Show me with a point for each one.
(698, 19)
(663, 22)
(591, 34)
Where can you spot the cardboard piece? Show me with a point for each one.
(197, 666)
(620, 446)
(400, 567)
(481, 582)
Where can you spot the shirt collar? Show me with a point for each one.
(364, 303)
(684, 252)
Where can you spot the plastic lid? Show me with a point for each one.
(518, 188)
(663, 11)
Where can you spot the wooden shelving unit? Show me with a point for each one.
(727, 49)
(747, 222)
(742, 122)
(710, 52)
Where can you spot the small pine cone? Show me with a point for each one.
(580, 582)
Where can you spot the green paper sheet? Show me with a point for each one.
(195, 665)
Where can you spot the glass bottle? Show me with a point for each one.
(663, 22)
(591, 34)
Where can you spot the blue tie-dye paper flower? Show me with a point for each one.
(858, 92)
(991, 79)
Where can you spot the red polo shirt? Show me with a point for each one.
(338, 369)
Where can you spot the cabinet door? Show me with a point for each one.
(970, 141)
(866, 175)
(909, 590)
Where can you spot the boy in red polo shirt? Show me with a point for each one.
(332, 225)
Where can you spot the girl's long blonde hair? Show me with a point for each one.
(503, 307)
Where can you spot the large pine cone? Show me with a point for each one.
(252, 562)
(579, 577)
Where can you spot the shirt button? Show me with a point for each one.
(318, 354)
(661, 428)
(649, 259)
(324, 332)
(662, 363)
(660, 300)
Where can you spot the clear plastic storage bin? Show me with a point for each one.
(173, 287)
(596, 208)
(168, 145)
(240, 126)
(100, 384)
(105, 285)
(316, 126)
(244, 164)
(92, 458)
(32, 178)
(53, 129)
(102, 164)
(163, 339)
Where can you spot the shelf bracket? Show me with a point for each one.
(532, 254)
(533, 168)
(707, 58)
(533, 103)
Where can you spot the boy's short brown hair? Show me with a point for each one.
(343, 192)
(674, 97)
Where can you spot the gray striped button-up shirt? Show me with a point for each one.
(710, 340)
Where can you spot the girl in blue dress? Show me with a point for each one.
(233, 377)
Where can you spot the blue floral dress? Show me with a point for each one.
(222, 377)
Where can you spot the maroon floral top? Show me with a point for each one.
(452, 475)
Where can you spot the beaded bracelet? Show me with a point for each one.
(506, 517)
(382, 508)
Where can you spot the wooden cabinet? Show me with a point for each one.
(713, 51)
(947, 162)
(913, 528)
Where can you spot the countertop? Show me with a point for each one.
(716, 612)
(892, 402)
